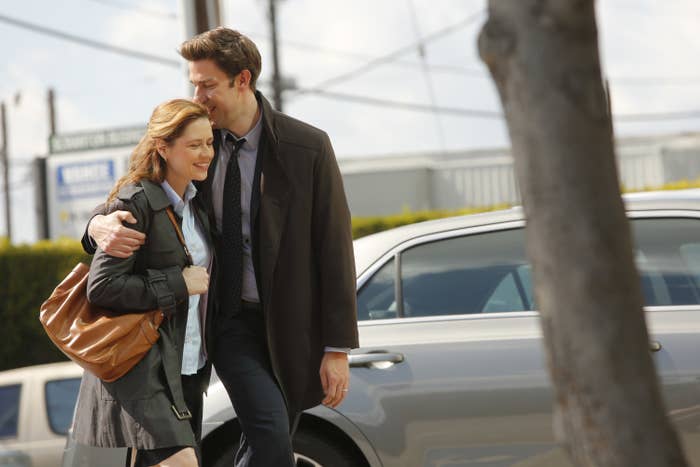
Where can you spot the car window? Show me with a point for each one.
(61, 395)
(488, 272)
(668, 260)
(376, 300)
(469, 274)
(691, 255)
(9, 410)
(507, 296)
(524, 273)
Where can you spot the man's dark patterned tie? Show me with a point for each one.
(231, 281)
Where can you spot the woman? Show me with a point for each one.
(155, 408)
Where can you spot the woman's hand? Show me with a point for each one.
(196, 279)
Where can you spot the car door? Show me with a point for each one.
(450, 369)
(450, 364)
(667, 246)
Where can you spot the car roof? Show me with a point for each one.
(47, 371)
(370, 248)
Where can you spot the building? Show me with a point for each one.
(391, 184)
(82, 168)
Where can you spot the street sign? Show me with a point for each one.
(76, 183)
(84, 179)
(89, 140)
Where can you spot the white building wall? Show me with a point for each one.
(392, 184)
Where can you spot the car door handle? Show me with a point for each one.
(654, 346)
(371, 358)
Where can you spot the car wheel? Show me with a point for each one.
(309, 451)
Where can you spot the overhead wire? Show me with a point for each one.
(458, 111)
(391, 56)
(447, 68)
(657, 116)
(174, 63)
(318, 91)
(138, 9)
(422, 53)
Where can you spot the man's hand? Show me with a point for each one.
(112, 237)
(335, 376)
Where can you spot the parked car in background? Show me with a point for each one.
(451, 366)
(36, 410)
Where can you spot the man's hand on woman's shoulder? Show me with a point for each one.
(113, 237)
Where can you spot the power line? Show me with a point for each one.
(655, 80)
(687, 15)
(446, 68)
(392, 56)
(141, 10)
(300, 45)
(456, 69)
(434, 67)
(462, 112)
(175, 63)
(658, 116)
(486, 114)
(426, 73)
(91, 43)
(342, 96)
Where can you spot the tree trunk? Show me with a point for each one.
(543, 56)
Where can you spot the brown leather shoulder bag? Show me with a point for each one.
(105, 343)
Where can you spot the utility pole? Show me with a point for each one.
(198, 16)
(6, 171)
(276, 74)
(52, 112)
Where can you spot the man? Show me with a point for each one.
(285, 275)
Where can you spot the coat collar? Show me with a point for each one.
(268, 114)
(155, 195)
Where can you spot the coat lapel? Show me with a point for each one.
(274, 202)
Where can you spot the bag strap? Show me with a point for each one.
(180, 237)
(179, 406)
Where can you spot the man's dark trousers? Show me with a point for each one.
(242, 361)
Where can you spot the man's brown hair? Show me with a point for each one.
(230, 50)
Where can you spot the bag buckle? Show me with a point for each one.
(181, 415)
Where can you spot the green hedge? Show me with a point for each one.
(362, 226)
(30, 273)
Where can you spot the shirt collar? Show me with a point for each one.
(177, 203)
(252, 138)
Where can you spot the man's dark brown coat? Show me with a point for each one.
(302, 249)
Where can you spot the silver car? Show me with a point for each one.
(451, 367)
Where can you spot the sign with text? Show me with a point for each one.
(77, 183)
(84, 179)
(101, 139)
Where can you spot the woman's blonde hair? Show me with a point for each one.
(167, 123)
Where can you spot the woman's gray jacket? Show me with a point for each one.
(145, 408)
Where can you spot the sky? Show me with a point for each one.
(649, 51)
